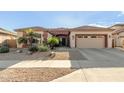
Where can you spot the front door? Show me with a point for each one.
(63, 41)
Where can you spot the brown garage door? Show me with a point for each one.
(90, 41)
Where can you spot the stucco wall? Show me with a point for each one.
(4, 37)
(119, 39)
(72, 36)
(49, 35)
(19, 34)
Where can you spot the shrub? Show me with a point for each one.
(53, 41)
(22, 40)
(33, 48)
(42, 48)
(4, 49)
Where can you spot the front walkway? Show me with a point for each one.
(39, 63)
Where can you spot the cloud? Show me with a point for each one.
(97, 25)
(68, 21)
(118, 22)
(121, 13)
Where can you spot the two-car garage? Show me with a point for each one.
(90, 41)
(91, 37)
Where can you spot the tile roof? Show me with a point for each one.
(56, 31)
(118, 31)
(7, 32)
(91, 28)
(36, 28)
(52, 30)
(118, 25)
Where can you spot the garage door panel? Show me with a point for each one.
(90, 42)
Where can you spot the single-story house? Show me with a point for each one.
(8, 38)
(80, 37)
(118, 35)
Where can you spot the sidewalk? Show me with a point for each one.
(86, 72)
(39, 63)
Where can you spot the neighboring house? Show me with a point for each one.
(80, 37)
(8, 38)
(118, 35)
(40, 30)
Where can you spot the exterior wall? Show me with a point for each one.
(120, 39)
(109, 38)
(72, 39)
(49, 35)
(19, 34)
(73, 33)
(5, 37)
(40, 39)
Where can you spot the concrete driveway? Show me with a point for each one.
(99, 65)
(102, 58)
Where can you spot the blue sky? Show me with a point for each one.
(18, 19)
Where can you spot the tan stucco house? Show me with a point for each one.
(80, 37)
(7, 37)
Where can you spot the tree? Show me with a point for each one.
(29, 37)
(22, 40)
(52, 42)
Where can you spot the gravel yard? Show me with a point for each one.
(59, 55)
(32, 74)
(13, 55)
(68, 55)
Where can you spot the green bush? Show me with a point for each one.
(4, 49)
(53, 41)
(43, 48)
(22, 40)
(33, 48)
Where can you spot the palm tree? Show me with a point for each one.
(29, 37)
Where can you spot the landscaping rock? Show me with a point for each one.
(19, 51)
(29, 52)
(52, 54)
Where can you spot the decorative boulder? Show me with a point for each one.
(52, 54)
(19, 51)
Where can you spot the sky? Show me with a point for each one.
(11, 20)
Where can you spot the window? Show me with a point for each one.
(80, 36)
(93, 36)
(85, 36)
(100, 36)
